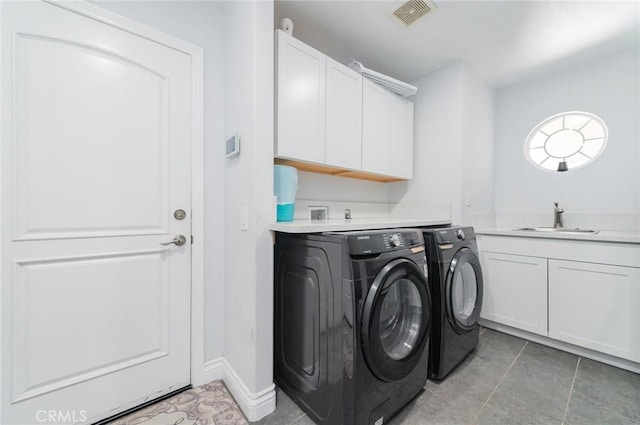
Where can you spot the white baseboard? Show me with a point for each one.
(564, 346)
(255, 406)
(213, 370)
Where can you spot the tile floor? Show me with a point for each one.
(508, 380)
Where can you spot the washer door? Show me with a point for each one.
(463, 290)
(396, 320)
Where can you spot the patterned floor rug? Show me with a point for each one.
(210, 404)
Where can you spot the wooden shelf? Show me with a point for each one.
(334, 171)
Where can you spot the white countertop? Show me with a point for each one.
(602, 236)
(339, 225)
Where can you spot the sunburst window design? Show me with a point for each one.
(566, 141)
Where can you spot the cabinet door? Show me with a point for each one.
(595, 306)
(401, 148)
(515, 291)
(344, 116)
(301, 100)
(376, 128)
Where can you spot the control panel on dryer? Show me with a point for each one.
(453, 235)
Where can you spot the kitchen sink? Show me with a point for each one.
(557, 230)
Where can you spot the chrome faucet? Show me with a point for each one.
(557, 216)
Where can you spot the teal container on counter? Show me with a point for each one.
(285, 185)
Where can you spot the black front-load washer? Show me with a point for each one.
(455, 279)
(352, 315)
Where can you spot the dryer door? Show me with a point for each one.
(463, 291)
(396, 320)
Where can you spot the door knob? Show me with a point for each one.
(179, 240)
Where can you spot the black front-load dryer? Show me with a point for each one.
(352, 315)
(455, 279)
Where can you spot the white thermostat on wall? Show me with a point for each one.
(232, 145)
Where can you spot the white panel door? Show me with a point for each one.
(515, 291)
(595, 306)
(376, 128)
(301, 100)
(344, 116)
(401, 149)
(95, 158)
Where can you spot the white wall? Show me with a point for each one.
(199, 23)
(437, 142)
(604, 194)
(248, 274)
(452, 145)
(322, 187)
(477, 202)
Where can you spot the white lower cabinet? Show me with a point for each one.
(515, 291)
(584, 293)
(596, 306)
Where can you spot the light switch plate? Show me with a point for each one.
(244, 219)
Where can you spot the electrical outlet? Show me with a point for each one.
(318, 213)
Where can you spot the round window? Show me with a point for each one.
(566, 141)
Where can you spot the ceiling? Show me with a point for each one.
(502, 41)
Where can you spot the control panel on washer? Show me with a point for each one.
(394, 240)
(383, 241)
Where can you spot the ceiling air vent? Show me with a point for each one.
(410, 11)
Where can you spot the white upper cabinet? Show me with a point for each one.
(401, 154)
(330, 119)
(387, 132)
(343, 147)
(301, 86)
(376, 128)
